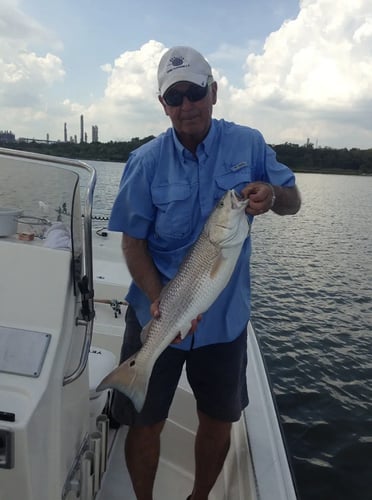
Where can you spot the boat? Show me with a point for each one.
(62, 289)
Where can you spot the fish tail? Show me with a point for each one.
(126, 378)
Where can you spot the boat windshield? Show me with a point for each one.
(43, 198)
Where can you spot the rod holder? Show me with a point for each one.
(96, 449)
(102, 423)
(87, 476)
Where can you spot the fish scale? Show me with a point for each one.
(200, 279)
(185, 296)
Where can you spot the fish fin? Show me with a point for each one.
(216, 266)
(126, 378)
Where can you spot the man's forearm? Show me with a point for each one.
(141, 266)
(287, 200)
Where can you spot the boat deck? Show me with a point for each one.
(175, 474)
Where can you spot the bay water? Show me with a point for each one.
(312, 313)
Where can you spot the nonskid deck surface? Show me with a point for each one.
(172, 483)
(175, 474)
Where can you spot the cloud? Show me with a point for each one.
(25, 76)
(24, 82)
(312, 79)
(130, 107)
(29, 69)
(316, 68)
(316, 60)
(19, 31)
(134, 73)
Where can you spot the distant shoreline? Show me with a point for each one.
(302, 159)
(339, 171)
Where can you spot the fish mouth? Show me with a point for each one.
(237, 201)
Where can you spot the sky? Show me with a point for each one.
(297, 70)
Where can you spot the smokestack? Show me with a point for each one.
(81, 128)
(65, 132)
(94, 133)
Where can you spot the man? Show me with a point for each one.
(168, 189)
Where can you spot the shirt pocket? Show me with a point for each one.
(174, 210)
(234, 179)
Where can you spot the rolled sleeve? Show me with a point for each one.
(277, 173)
(133, 210)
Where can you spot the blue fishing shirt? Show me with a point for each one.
(166, 195)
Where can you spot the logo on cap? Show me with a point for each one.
(176, 61)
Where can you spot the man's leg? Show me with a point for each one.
(142, 446)
(217, 375)
(142, 450)
(211, 446)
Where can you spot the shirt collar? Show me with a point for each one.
(206, 144)
(209, 140)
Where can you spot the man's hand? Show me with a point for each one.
(264, 197)
(261, 197)
(155, 313)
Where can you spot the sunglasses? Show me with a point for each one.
(194, 93)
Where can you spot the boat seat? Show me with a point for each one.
(101, 363)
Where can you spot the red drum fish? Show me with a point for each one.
(202, 276)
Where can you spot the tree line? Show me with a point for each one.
(309, 159)
(304, 158)
(101, 151)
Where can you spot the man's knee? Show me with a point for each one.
(212, 426)
(146, 433)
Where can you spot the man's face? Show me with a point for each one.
(190, 118)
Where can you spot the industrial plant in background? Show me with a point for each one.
(83, 134)
(7, 136)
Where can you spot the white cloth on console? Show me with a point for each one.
(58, 237)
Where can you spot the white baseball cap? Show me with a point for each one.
(182, 64)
